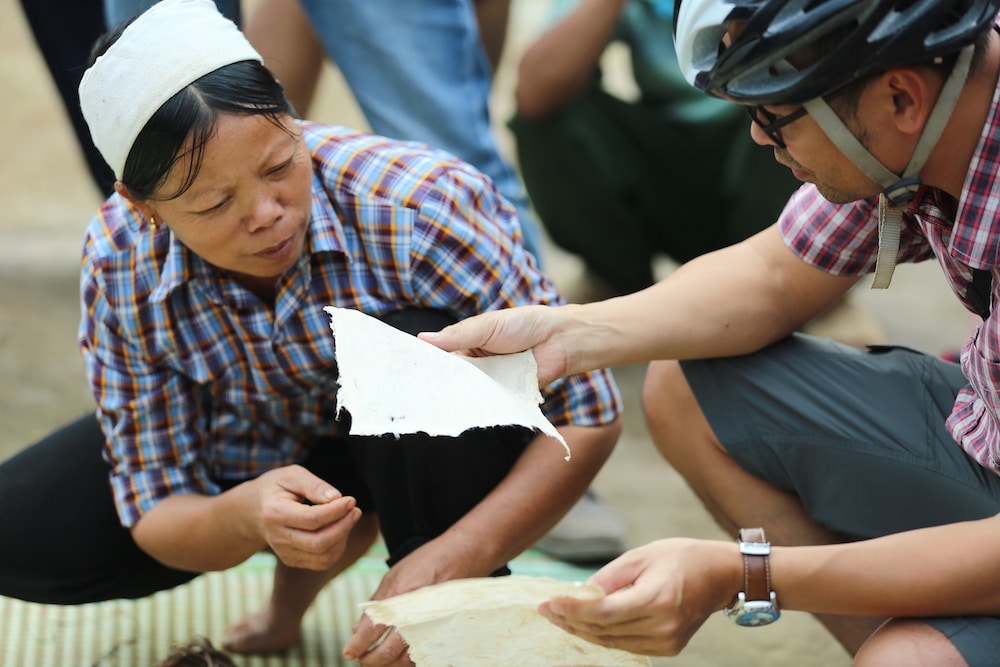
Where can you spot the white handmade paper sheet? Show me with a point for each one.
(493, 622)
(392, 382)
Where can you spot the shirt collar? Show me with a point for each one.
(327, 230)
(179, 266)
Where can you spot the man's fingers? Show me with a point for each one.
(618, 613)
(618, 574)
(474, 335)
(450, 339)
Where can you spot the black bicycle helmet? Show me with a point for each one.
(878, 35)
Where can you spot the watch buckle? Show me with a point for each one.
(755, 548)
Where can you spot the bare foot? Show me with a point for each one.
(260, 633)
(276, 628)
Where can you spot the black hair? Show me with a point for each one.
(198, 652)
(179, 129)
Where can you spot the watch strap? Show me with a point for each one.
(756, 566)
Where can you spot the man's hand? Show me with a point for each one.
(304, 520)
(506, 332)
(658, 595)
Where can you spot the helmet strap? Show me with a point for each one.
(897, 189)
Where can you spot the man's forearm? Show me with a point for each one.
(941, 571)
(768, 294)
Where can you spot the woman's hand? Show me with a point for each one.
(658, 595)
(304, 520)
(432, 563)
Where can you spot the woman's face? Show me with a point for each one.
(248, 209)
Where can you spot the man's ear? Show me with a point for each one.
(912, 93)
(145, 209)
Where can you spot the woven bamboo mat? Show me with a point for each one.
(140, 633)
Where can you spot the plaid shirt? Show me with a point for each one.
(393, 225)
(962, 236)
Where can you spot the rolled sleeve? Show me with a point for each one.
(842, 239)
(149, 417)
(973, 422)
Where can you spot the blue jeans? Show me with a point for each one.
(419, 73)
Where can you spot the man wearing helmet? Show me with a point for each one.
(874, 473)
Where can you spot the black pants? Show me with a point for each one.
(65, 32)
(601, 170)
(63, 543)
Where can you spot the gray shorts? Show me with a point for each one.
(859, 437)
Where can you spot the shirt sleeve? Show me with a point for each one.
(149, 416)
(842, 239)
(975, 419)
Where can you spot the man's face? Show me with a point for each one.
(814, 158)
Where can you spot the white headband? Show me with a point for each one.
(166, 48)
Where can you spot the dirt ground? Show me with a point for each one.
(47, 198)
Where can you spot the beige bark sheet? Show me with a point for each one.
(493, 622)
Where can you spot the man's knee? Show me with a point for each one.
(660, 389)
(673, 415)
(909, 643)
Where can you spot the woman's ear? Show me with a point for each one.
(145, 209)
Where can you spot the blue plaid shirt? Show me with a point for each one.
(198, 382)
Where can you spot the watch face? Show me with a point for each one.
(757, 613)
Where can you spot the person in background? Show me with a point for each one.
(64, 33)
(619, 181)
(599, 168)
(861, 485)
(203, 283)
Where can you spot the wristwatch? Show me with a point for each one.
(756, 604)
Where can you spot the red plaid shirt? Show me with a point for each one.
(843, 240)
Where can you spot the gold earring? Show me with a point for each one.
(152, 223)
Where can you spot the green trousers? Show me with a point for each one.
(618, 182)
